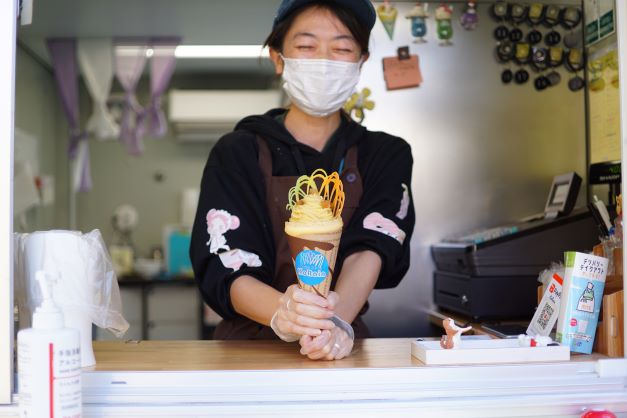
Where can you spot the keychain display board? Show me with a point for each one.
(487, 352)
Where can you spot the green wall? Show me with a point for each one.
(38, 113)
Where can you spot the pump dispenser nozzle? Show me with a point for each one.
(47, 315)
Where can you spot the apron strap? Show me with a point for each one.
(265, 163)
(350, 161)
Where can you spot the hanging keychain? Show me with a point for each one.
(542, 58)
(570, 17)
(554, 78)
(522, 53)
(556, 56)
(521, 56)
(552, 38)
(517, 15)
(534, 36)
(469, 18)
(504, 50)
(443, 16)
(551, 15)
(595, 75)
(540, 62)
(555, 59)
(499, 11)
(507, 75)
(611, 62)
(574, 62)
(388, 13)
(418, 16)
(504, 54)
(521, 76)
(536, 14)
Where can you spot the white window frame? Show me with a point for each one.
(621, 30)
(7, 103)
(7, 111)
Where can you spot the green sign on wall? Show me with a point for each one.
(592, 32)
(606, 24)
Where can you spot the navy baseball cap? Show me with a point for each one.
(363, 9)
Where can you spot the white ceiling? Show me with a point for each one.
(198, 22)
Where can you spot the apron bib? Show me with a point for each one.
(277, 189)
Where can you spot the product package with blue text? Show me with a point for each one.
(582, 294)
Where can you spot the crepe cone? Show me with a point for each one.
(325, 243)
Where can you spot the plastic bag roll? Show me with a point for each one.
(87, 291)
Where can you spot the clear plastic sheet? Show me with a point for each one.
(545, 275)
(88, 285)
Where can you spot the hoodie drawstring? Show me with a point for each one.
(338, 159)
(298, 157)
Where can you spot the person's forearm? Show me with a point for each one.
(254, 299)
(359, 276)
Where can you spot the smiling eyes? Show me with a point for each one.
(337, 50)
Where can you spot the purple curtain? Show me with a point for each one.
(63, 54)
(152, 120)
(130, 60)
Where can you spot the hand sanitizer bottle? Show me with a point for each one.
(49, 361)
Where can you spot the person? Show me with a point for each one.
(238, 249)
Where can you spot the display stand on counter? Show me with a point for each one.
(609, 336)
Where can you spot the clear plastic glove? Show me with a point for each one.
(333, 344)
(303, 313)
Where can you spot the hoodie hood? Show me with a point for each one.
(268, 127)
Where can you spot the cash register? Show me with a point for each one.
(492, 274)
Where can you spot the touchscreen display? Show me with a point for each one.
(560, 194)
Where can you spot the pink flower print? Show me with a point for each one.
(234, 259)
(218, 223)
(402, 212)
(377, 222)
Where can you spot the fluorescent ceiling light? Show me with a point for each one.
(221, 51)
(198, 51)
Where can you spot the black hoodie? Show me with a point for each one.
(232, 203)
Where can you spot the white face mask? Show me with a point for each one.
(319, 87)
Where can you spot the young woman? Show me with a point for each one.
(239, 251)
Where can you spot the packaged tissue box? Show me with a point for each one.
(582, 294)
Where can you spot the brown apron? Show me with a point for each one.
(277, 188)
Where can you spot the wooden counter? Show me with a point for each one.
(253, 355)
(244, 355)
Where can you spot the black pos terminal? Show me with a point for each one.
(492, 274)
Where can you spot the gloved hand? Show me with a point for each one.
(333, 344)
(302, 313)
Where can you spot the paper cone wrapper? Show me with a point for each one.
(327, 244)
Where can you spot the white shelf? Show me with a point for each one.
(487, 352)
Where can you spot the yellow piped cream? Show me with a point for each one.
(316, 202)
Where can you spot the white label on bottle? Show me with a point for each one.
(50, 381)
(66, 380)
